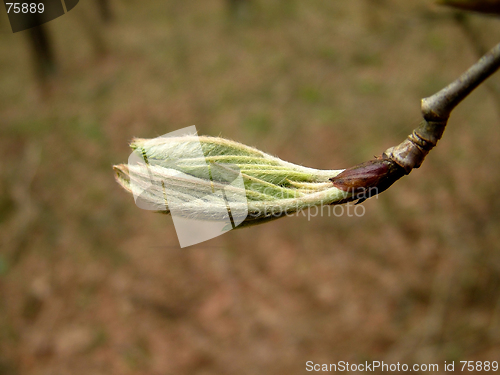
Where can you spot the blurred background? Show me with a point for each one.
(91, 284)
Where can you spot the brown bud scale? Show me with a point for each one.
(369, 178)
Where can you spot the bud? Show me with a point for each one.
(170, 170)
(369, 178)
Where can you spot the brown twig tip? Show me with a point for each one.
(369, 178)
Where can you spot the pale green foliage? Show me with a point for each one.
(272, 187)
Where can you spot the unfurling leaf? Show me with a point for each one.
(189, 170)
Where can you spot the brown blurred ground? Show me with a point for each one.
(90, 284)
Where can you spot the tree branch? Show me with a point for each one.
(440, 105)
(401, 159)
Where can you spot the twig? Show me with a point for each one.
(440, 105)
(397, 161)
(474, 37)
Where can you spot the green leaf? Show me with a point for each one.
(175, 169)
